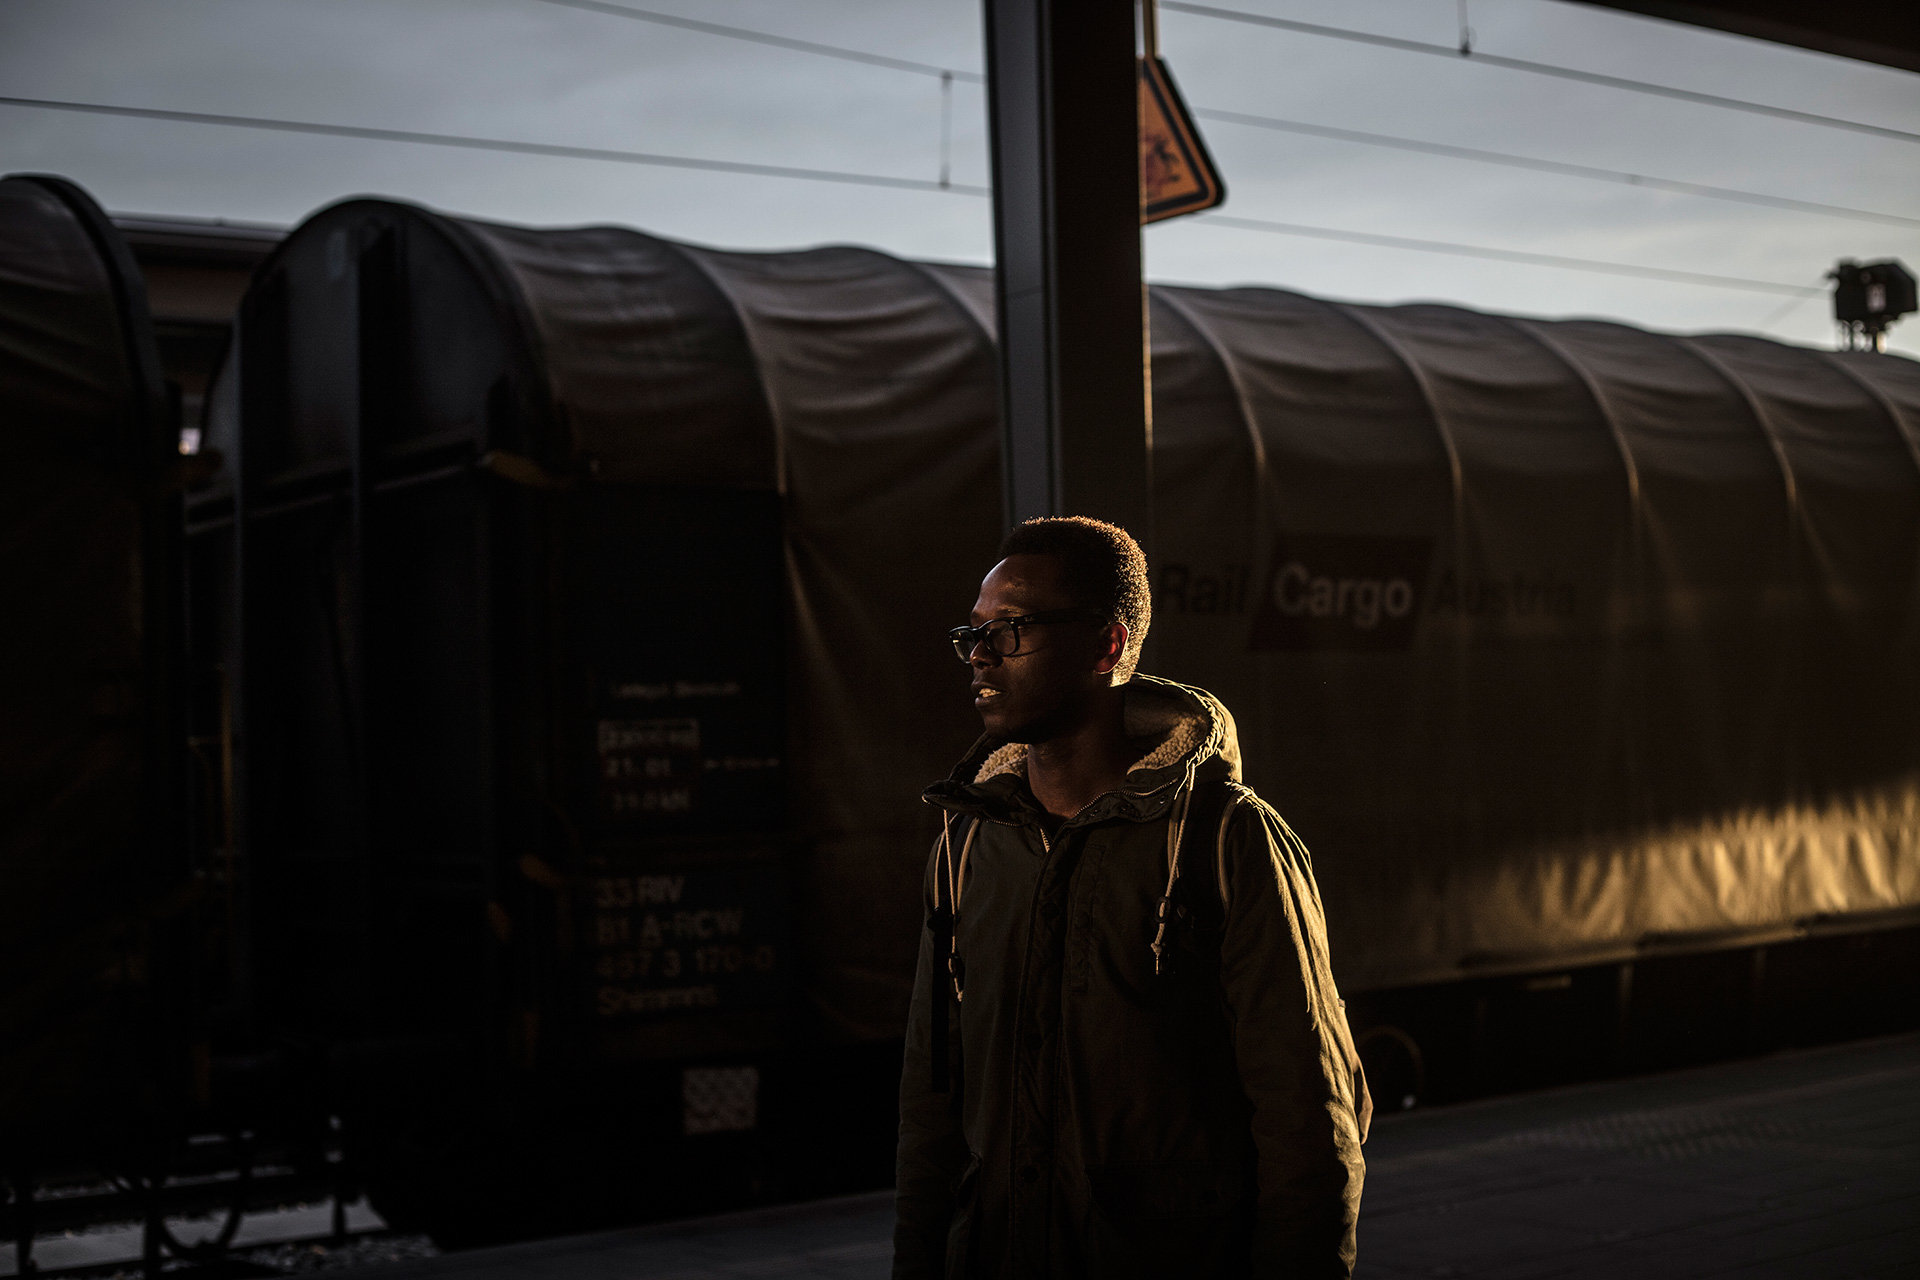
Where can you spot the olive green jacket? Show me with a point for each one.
(1103, 1120)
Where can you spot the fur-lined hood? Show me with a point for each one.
(1183, 734)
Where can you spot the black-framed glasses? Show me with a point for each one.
(1001, 636)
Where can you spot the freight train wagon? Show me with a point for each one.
(582, 594)
(97, 902)
(132, 1088)
(91, 859)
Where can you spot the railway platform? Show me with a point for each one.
(1803, 1164)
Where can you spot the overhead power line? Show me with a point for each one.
(502, 144)
(1785, 309)
(510, 146)
(1511, 255)
(1536, 68)
(1591, 172)
(768, 38)
(1595, 173)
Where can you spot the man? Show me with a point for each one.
(1126, 1055)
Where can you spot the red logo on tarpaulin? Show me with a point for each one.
(1342, 591)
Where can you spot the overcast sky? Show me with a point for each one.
(537, 71)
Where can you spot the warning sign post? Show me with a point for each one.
(1176, 173)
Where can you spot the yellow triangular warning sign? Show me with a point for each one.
(1176, 173)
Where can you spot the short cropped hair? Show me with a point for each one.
(1103, 569)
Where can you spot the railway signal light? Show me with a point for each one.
(1869, 296)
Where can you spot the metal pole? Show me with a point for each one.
(1063, 103)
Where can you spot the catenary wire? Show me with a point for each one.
(768, 38)
(501, 144)
(1595, 173)
(1283, 24)
(881, 180)
(1786, 308)
(1590, 172)
(1537, 68)
(1510, 255)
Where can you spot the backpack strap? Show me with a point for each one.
(1201, 808)
(1235, 794)
(950, 876)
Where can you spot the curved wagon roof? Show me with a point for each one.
(1651, 673)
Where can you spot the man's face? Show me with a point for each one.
(1049, 685)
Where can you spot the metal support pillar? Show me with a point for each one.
(1063, 102)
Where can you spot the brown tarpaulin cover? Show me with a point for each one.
(1548, 637)
(78, 388)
